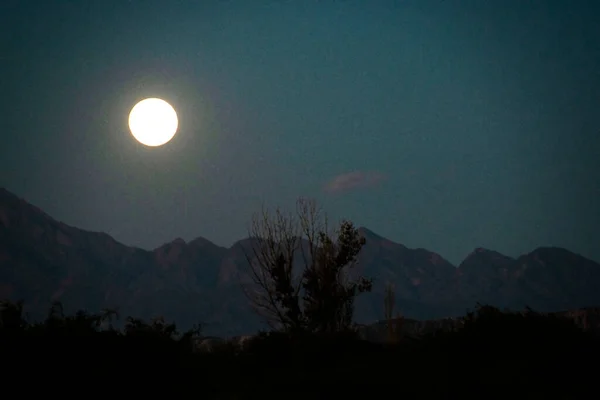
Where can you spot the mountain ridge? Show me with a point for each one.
(366, 232)
(43, 259)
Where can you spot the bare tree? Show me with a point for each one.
(300, 271)
(275, 290)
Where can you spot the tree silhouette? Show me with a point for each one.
(11, 316)
(317, 297)
(107, 317)
(547, 346)
(157, 327)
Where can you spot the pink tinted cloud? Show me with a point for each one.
(354, 180)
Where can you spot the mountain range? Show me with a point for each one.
(44, 260)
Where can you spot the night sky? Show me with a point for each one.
(447, 125)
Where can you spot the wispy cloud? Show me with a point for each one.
(354, 180)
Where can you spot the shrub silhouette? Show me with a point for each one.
(494, 348)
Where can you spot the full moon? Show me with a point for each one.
(153, 122)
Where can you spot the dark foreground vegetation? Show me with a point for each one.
(494, 352)
(304, 283)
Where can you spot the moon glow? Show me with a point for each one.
(153, 122)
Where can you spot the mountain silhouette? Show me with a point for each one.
(44, 260)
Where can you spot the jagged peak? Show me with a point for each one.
(202, 242)
(478, 251)
(247, 241)
(482, 253)
(178, 241)
(370, 235)
(544, 251)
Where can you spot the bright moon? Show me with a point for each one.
(153, 122)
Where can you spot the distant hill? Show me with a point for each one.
(42, 260)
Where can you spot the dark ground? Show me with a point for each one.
(493, 356)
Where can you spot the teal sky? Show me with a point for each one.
(447, 125)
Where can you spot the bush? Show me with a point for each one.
(493, 347)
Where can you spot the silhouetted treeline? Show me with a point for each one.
(493, 351)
